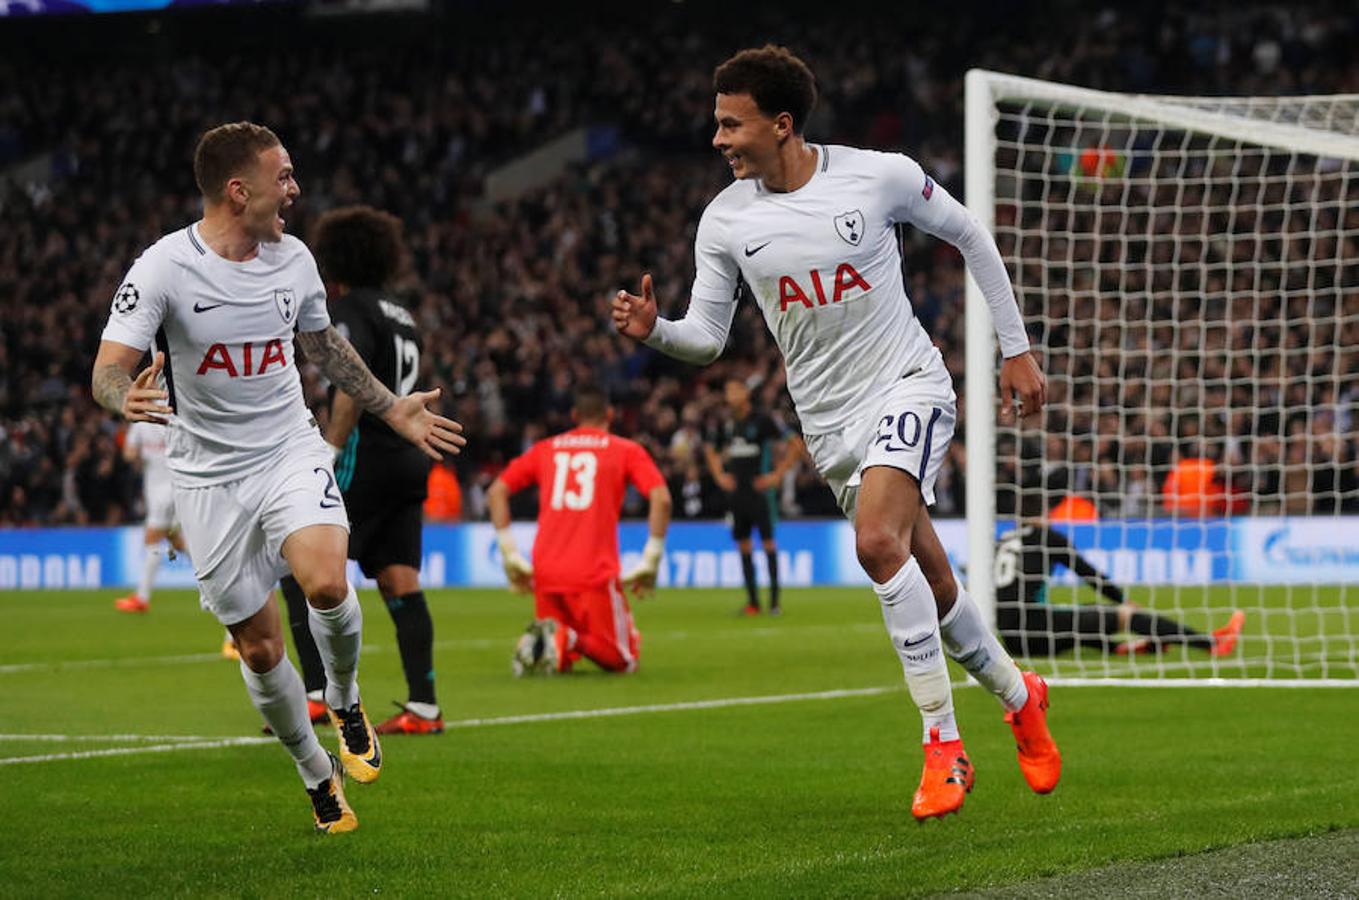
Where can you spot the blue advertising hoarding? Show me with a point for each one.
(17, 8)
(1278, 550)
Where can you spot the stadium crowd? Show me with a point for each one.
(511, 296)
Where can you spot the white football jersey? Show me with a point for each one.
(149, 440)
(824, 264)
(226, 329)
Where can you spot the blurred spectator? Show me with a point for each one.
(443, 500)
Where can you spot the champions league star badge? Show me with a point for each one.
(125, 301)
(286, 303)
(850, 226)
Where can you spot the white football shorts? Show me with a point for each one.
(159, 494)
(235, 531)
(908, 427)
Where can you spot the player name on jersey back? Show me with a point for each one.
(580, 440)
(227, 330)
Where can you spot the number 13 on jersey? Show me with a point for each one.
(579, 468)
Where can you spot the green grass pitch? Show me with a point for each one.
(806, 797)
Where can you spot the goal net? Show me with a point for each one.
(1188, 268)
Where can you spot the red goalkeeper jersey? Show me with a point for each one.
(582, 476)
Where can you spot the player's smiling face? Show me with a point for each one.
(746, 137)
(271, 191)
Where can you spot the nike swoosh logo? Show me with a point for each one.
(917, 641)
(750, 252)
(198, 307)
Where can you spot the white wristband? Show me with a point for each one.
(651, 553)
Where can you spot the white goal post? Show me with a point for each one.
(1189, 271)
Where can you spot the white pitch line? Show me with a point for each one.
(133, 751)
(121, 662)
(191, 743)
(108, 738)
(670, 707)
(1151, 682)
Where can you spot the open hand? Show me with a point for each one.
(411, 418)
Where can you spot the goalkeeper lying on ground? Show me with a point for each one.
(1030, 626)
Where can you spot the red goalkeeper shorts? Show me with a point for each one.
(602, 621)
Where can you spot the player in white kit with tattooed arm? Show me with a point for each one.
(812, 230)
(254, 488)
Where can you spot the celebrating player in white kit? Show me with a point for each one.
(813, 231)
(253, 482)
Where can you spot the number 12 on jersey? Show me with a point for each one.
(407, 364)
(583, 466)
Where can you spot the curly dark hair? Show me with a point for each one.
(358, 246)
(774, 77)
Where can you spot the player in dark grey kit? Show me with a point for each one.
(1030, 626)
(358, 250)
(738, 451)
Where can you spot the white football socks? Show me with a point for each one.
(913, 624)
(150, 565)
(281, 698)
(423, 710)
(976, 649)
(339, 635)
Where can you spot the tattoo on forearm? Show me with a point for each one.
(341, 363)
(110, 386)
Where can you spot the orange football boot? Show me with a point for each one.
(317, 711)
(407, 722)
(946, 780)
(1224, 638)
(131, 604)
(1039, 758)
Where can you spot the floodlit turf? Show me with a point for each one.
(803, 797)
